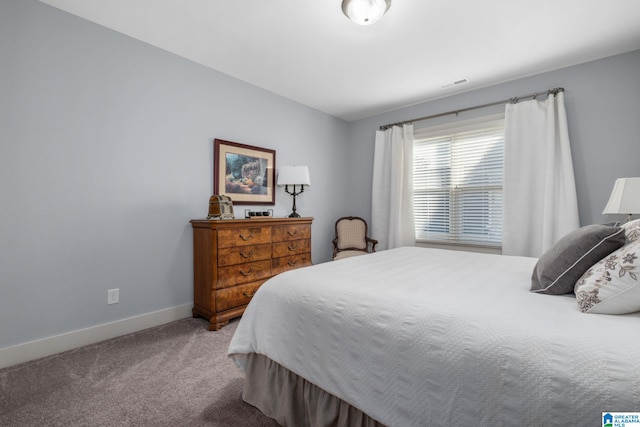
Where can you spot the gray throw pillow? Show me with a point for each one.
(558, 269)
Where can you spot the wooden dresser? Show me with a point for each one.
(232, 258)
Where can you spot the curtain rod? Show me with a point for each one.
(513, 100)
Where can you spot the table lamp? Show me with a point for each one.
(294, 175)
(625, 198)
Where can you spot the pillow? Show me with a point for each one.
(632, 230)
(558, 269)
(612, 286)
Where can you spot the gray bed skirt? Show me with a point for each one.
(293, 401)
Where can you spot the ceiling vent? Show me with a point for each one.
(456, 83)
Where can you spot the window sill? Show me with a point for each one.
(460, 247)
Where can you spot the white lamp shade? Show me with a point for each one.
(625, 197)
(294, 175)
(365, 12)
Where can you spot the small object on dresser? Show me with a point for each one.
(248, 214)
(220, 207)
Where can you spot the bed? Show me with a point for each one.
(427, 337)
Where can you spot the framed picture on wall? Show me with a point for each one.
(244, 173)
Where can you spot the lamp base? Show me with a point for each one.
(294, 214)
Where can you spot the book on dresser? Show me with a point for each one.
(232, 258)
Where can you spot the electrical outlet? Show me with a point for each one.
(113, 296)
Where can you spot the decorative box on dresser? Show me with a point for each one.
(232, 258)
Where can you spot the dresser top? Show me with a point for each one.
(214, 223)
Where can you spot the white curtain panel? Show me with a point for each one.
(392, 221)
(540, 201)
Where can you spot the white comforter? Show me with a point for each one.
(424, 337)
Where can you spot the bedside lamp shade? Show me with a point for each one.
(294, 175)
(625, 197)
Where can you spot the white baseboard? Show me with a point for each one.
(58, 343)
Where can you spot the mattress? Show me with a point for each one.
(416, 336)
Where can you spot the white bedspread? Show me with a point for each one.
(426, 337)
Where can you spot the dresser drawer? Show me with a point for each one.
(243, 236)
(280, 265)
(285, 233)
(236, 296)
(293, 247)
(243, 254)
(243, 273)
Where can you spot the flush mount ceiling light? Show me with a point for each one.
(365, 12)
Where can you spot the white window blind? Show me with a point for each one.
(458, 185)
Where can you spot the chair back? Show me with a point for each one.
(351, 233)
(351, 238)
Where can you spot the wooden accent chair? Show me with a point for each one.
(351, 238)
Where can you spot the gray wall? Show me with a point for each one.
(106, 153)
(602, 99)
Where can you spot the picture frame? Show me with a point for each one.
(244, 173)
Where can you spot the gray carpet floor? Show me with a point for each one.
(176, 374)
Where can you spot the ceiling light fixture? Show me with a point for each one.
(365, 12)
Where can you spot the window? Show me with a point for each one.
(458, 183)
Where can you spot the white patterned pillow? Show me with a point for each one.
(632, 230)
(612, 286)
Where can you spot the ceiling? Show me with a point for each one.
(308, 51)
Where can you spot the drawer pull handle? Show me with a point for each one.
(292, 247)
(247, 255)
(250, 236)
(246, 273)
(292, 233)
(292, 263)
(248, 294)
